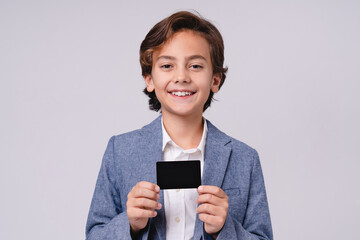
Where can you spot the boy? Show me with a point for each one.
(182, 63)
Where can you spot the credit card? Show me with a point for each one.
(178, 174)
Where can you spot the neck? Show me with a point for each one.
(185, 131)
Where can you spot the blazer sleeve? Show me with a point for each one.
(257, 223)
(107, 219)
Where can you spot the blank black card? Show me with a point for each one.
(178, 174)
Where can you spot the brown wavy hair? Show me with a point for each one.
(164, 29)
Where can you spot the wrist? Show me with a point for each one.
(136, 231)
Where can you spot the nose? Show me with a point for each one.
(181, 76)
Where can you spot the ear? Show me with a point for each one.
(215, 83)
(149, 83)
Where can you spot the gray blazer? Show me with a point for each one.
(229, 164)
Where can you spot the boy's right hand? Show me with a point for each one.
(141, 203)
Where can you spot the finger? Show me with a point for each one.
(212, 190)
(212, 199)
(148, 185)
(211, 210)
(140, 192)
(211, 220)
(145, 189)
(140, 213)
(212, 224)
(143, 203)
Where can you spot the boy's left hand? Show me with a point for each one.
(213, 209)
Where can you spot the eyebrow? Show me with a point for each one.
(165, 57)
(196, 57)
(192, 57)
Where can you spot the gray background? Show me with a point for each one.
(70, 79)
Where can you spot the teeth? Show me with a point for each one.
(181, 94)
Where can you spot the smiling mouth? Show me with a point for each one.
(182, 93)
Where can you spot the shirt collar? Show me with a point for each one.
(168, 140)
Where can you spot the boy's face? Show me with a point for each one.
(182, 74)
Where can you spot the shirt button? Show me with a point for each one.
(177, 219)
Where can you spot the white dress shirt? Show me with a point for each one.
(180, 204)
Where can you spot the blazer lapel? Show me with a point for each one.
(216, 159)
(152, 144)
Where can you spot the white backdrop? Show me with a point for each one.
(70, 79)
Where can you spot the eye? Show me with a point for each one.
(196, 66)
(166, 66)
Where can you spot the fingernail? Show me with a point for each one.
(200, 188)
(159, 205)
(157, 196)
(155, 213)
(157, 188)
